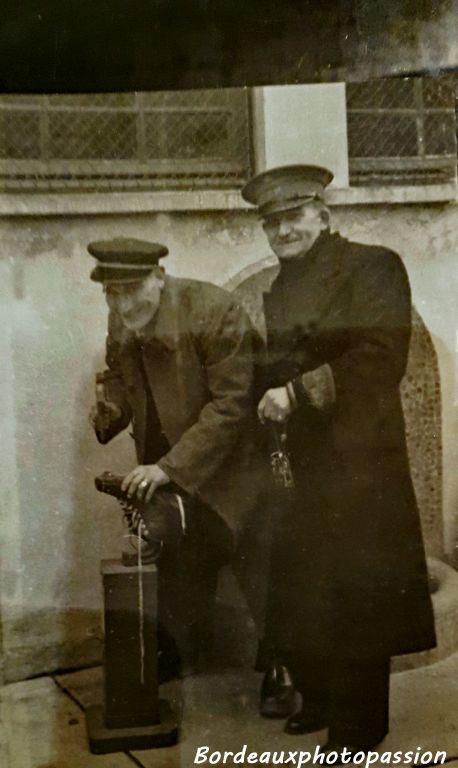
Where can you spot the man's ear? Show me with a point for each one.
(158, 273)
(325, 217)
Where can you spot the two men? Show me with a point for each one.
(349, 580)
(348, 573)
(180, 370)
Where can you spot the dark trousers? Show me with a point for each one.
(349, 695)
(187, 581)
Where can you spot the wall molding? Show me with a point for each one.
(116, 203)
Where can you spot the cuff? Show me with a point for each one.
(116, 426)
(174, 476)
(317, 387)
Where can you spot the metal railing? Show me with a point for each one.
(93, 142)
(402, 131)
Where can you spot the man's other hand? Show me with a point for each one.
(274, 405)
(143, 481)
(103, 415)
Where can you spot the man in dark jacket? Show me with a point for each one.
(180, 370)
(348, 575)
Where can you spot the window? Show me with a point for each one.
(192, 139)
(402, 131)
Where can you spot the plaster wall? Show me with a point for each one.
(56, 527)
(296, 132)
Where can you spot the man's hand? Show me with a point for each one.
(274, 405)
(103, 415)
(143, 481)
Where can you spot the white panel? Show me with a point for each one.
(306, 124)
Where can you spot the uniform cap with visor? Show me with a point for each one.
(286, 187)
(124, 259)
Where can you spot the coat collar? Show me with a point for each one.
(323, 261)
(309, 284)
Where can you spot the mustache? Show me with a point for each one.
(287, 239)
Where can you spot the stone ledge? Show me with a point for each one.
(115, 203)
(402, 195)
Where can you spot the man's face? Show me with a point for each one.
(292, 233)
(136, 303)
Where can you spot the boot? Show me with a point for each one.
(277, 693)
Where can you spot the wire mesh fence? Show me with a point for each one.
(90, 142)
(402, 130)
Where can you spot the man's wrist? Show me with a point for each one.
(164, 477)
(162, 465)
(300, 393)
(291, 394)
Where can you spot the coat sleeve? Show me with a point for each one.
(114, 385)
(225, 351)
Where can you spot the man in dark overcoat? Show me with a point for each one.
(348, 582)
(180, 371)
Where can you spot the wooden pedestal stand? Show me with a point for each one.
(132, 716)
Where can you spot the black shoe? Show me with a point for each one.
(305, 722)
(277, 693)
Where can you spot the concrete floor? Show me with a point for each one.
(43, 724)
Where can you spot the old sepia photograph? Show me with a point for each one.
(229, 413)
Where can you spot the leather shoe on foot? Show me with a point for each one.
(277, 693)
